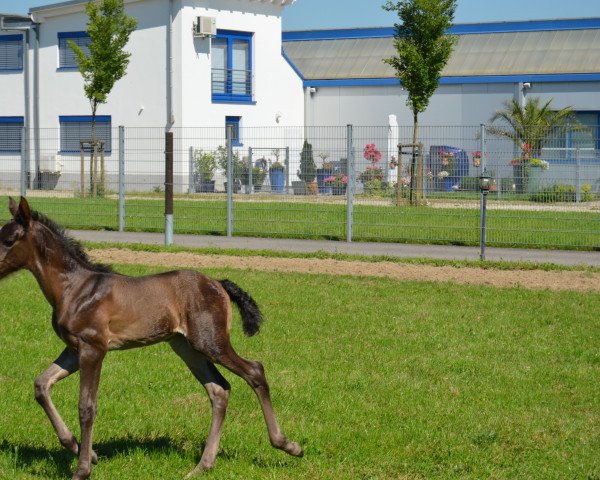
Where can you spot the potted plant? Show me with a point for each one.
(373, 175)
(239, 168)
(307, 171)
(205, 165)
(259, 172)
(338, 183)
(325, 171)
(476, 156)
(276, 172)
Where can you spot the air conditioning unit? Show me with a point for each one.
(50, 163)
(205, 27)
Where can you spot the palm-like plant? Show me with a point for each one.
(532, 124)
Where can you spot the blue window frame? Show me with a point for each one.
(236, 140)
(11, 129)
(77, 128)
(66, 56)
(11, 53)
(231, 58)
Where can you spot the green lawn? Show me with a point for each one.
(377, 379)
(386, 223)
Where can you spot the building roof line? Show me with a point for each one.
(457, 29)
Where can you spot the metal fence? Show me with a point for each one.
(345, 183)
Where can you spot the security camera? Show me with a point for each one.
(526, 85)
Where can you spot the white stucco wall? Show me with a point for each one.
(140, 99)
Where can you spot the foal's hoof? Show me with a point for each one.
(94, 458)
(197, 471)
(294, 449)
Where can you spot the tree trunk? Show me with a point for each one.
(93, 152)
(415, 191)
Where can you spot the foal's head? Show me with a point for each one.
(15, 238)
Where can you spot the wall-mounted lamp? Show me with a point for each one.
(312, 90)
(278, 116)
(526, 85)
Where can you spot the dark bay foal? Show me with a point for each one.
(95, 310)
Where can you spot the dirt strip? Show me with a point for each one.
(533, 279)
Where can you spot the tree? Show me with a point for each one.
(308, 168)
(423, 49)
(109, 29)
(531, 124)
(529, 127)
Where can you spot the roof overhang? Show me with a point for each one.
(10, 21)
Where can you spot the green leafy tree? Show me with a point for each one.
(423, 49)
(532, 124)
(109, 28)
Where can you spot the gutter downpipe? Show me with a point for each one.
(170, 114)
(36, 97)
(26, 90)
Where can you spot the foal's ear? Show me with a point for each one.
(12, 207)
(23, 215)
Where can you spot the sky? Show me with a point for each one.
(317, 14)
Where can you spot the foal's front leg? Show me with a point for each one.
(66, 364)
(90, 362)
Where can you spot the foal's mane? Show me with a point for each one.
(74, 252)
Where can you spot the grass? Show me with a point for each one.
(385, 223)
(377, 379)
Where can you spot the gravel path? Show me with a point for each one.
(581, 281)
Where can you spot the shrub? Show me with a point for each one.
(558, 192)
(307, 172)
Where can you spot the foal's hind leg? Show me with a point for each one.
(218, 392)
(66, 364)
(254, 374)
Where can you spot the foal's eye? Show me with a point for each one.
(8, 243)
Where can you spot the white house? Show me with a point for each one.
(199, 63)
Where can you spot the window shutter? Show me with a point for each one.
(11, 52)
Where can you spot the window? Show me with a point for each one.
(235, 123)
(583, 139)
(11, 53)
(231, 57)
(77, 128)
(10, 134)
(66, 55)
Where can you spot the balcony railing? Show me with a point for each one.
(232, 85)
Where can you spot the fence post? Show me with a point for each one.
(191, 172)
(121, 178)
(577, 176)
(23, 179)
(168, 188)
(482, 147)
(351, 183)
(287, 169)
(229, 136)
(483, 197)
(250, 182)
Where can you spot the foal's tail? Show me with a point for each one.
(251, 316)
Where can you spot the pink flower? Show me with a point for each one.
(371, 153)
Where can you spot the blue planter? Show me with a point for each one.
(321, 176)
(276, 179)
(449, 182)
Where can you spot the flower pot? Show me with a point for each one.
(299, 187)
(535, 179)
(322, 174)
(205, 186)
(449, 182)
(276, 179)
